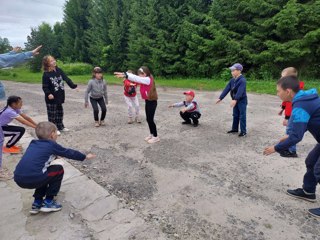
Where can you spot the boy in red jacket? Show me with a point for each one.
(287, 109)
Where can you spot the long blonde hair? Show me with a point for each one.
(46, 63)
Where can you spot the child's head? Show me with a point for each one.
(236, 70)
(189, 95)
(290, 71)
(97, 73)
(48, 63)
(46, 131)
(14, 102)
(144, 72)
(287, 87)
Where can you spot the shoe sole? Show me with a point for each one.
(302, 198)
(314, 215)
(34, 212)
(154, 142)
(47, 210)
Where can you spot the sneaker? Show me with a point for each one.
(195, 124)
(315, 212)
(186, 122)
(5, 175)
(97, 124)
(148, 138)
(130, 120)
(35, 208)
(138, 120)
(50, 206)
(301, 194)
(242, 135)
(17, 147)
(65, 130)
(11, 150)
(288, 154)
(58, 133)
(102, 123)
(232, 131)
(154, 140)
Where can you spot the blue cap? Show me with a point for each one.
(236, 66)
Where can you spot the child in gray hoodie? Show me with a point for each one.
(97, 91)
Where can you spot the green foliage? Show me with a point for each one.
(4, 45)
(189, 37)
(75, 68)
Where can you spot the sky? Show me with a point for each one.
(18, 16)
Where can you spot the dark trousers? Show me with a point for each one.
(240, 115)
(151, 107)
(312, 176)
(55, 115)
(15, 132)
(48, 187)
(187, 116)
(102, 104)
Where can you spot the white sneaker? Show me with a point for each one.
(102, 123)
(65, 130)
(130, 121)
(97, 124)
(58, 133)
(138, 120)
(154, 140)
(148, 138)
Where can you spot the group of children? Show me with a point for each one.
(38, 169)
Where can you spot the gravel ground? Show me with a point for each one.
(196, 183)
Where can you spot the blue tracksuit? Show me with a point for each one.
(305, 117)
(37, 158)
(237, 89)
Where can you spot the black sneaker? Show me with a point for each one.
(186, 122)
(35, 209)
(232, 131)
(315, 212)
(301, 194)
(242, 134)
(288, 154)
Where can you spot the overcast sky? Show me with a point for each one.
(18, 16)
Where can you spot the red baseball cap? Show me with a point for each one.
(191, 93)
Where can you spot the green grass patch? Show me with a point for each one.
(22, 74)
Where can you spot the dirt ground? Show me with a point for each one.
(196, 183)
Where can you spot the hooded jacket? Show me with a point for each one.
(305, 117)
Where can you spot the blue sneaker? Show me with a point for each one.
(35, 209)
(50, 206)
(315, 212)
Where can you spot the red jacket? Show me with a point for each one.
(127, 84)
(287, 106)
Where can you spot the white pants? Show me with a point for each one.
(133, 104)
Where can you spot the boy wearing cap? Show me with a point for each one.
(190, 110)
(237, 89)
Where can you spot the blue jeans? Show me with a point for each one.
(240, 115)
(312, 176)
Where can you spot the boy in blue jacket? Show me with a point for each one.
(36, 169)
(237, 88)
(305, 117)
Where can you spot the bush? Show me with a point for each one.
(75, 68)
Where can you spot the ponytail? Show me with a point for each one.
(10, 101)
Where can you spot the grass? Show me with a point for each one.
(256, 86)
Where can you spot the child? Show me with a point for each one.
(131, 99)
(97, 89)
(10, 112)
(149, 94)
(305, 117)
(35, 171)
(191, 110)
(53, 86)
(286, 107)
(237, 89)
